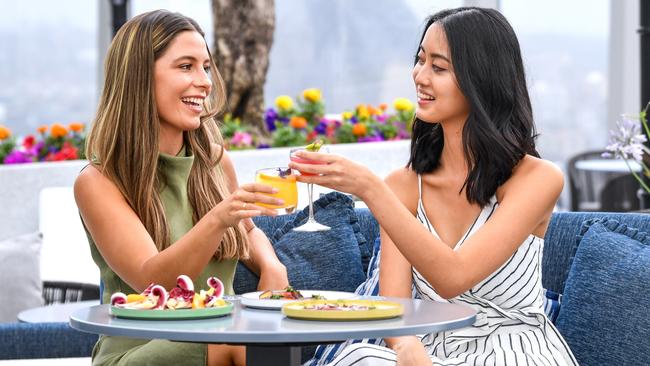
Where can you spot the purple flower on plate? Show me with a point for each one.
(263, 146)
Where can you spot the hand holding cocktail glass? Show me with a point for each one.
(284, 182)
(311, 224)
(247, 201)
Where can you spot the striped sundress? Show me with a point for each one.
(510, 328)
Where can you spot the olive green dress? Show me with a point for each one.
(111, 350)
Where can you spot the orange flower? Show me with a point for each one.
(298, 122)
(4, 132)
(76, 126)
(373, 111)
(359, 129)
(383, 106)
(58, 130)
(42, 129)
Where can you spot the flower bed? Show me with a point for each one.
(288, 123)
(299, 122)
(53, 143)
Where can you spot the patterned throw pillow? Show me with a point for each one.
(604, 314)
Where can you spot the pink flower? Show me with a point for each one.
(241, 139)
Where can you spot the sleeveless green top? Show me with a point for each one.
(178, 212)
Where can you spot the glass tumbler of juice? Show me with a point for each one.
(285, 182)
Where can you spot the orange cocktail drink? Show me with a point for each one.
(285, 182)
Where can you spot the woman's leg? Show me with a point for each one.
(225, 355)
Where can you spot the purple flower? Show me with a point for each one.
(321, 128)
(18, 157)
(354, 120)
(627, 140)
(284, 120)
(381, 118)
(269, 117)
(263, 146)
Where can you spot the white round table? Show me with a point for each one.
(272, 338)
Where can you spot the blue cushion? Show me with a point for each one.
(43, 340)
(325, 260)
(604, 315)
(563, 236)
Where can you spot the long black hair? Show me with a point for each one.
(499, 130)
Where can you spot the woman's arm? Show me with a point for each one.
(395, 278)
(129, 250)
(263, 261)
(526, 203)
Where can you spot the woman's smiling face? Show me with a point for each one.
(182, 83)
(439, 97)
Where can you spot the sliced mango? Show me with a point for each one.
(135, 298)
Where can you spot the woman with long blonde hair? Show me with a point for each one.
(160, 196)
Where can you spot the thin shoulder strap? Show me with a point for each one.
(419, 189)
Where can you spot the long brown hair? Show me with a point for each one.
(123, 142)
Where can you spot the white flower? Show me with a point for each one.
(627, 140)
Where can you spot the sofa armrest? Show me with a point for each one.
(43, 340)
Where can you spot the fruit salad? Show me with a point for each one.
(156, 297)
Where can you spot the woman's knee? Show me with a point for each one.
(225, 355)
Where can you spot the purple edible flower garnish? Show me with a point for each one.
(284, 172)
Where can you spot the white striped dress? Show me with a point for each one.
(511, 327)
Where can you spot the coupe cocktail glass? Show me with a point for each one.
(311, 224)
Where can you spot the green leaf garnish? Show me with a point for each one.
(314, 146)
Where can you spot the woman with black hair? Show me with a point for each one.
(464, 221)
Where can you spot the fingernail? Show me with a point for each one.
(275, 190)
(279, 202)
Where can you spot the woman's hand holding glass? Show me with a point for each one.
(335, 172)
(243, 203)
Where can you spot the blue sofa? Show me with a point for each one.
(340, 255)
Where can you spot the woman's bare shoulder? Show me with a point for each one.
(537, 175)
(92, 184)
(404, 183)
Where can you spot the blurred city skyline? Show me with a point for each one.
(356, 52)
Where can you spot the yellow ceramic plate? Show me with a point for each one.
(343, 310)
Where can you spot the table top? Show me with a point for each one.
(256, 326)
(608, 165)
(54, 313)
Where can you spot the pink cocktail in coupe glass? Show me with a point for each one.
(311, 224)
